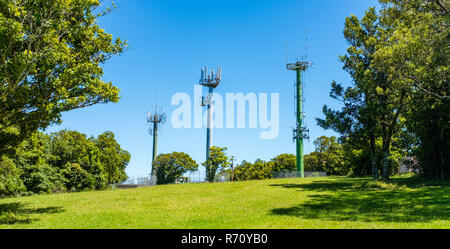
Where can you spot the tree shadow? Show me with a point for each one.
(363, 200)
(18, 213)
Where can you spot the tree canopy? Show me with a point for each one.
(398, 59)
(51, 53)
(218, 160)
(171, 166)
(63, 161)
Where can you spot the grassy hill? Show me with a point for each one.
(282, 203)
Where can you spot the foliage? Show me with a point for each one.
(217, 161)
(311, 162)
(51, 53)
(65, 161)
(416, 52)
(284, 163)
(374, 106)
(10, 182)
(113, 158)
(328, 157)
(171, 166)
(44, 179)
(78, 156)
(259, 170)
(77, 178)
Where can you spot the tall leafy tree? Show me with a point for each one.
(75, 154)
(113, 158)
(357, 120)
(218, 160)
(51, 53)
(259, 170)
(330, 156)
(415, 52)
(284, 163)
(10, 182)
(171, 166)
(374, 104)
(33, 157)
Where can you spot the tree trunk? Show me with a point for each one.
(442, 148)
(386, 154)
(373, 158)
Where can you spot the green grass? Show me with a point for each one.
(283, 203)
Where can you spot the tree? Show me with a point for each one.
(357, 121)
(415, 51)
(77, 178)
(10, 182)
(374, 105)
(284, 163)
(73, 149)
(171, 166)
(32, 157)
(217, 161)
(51, 52)
(63, 161)
(259, 170)
(330, 156)
(113, 158)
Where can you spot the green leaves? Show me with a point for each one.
(63, 161)
(284, 163)
(218, 160)
(10, 182)
(51, 53)
(171, 166)
(416, 56)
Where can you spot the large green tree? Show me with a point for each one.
(415, 53)
(10, 182)
(259, 170)
(62, 161)
(171, 166)
(218, 160)
(374, 104)
(284, 163)
(33, 157)
(330, 156)
(357, 120)
(113, 158)
(51, 56)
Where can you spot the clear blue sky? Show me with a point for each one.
(171, 40)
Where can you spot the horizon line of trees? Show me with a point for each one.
(65, 161)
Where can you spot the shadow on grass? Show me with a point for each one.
(18, 213)
(402, 200)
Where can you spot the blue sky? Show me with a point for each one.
(170, 41)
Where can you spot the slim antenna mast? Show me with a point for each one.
(306, 45)
(155, 119)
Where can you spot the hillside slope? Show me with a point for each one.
(282, 203)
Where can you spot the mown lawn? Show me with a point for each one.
(283, 203)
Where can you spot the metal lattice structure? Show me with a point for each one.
(211, 80)
(155, 119)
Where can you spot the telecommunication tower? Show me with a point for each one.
(211, 80)
(300, 132)
(155, 119)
